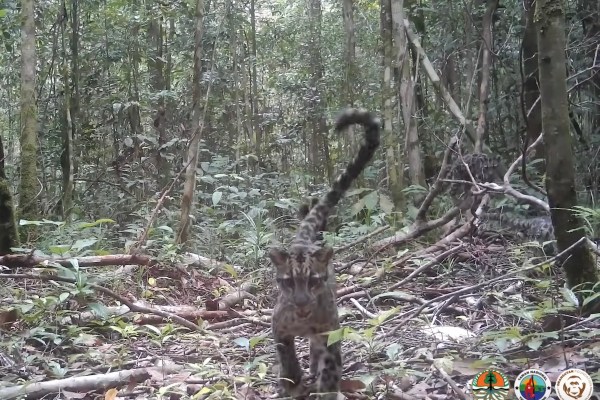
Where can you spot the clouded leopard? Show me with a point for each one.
(306, 304)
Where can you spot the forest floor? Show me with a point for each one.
(424, 337)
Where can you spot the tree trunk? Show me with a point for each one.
(560, 171)
(254, 87)
(407, 96)
(395, 170)
(187, 200)
(8, 234)
(486, 65)
(156, 67)
(237, 86)
(28, 185)
(350, 51)
(316, 108)
(531, 105)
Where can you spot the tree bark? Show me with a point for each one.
(316, 107)
(560, 171)
(486, 65)
(156, 67)
(28, 185)
(529, 60)
(187, 200)
(8, 234)
(350, 51)
(256, 130)
(394, 164)
(407, 96)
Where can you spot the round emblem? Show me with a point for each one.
(574, 384)
(490, 384)
(532, 384)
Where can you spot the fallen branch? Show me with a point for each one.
(83, 384)
(33, 261)
(193, 258)
(417, 229)
(480, 285)
(186, 312)
(437, 259)
(362, 239)
(132, 306)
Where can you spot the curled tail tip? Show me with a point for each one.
(357, 116)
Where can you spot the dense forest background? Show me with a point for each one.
(157, 127)
(114, 95)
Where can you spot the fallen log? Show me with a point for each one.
(31, 261)
(82, 384)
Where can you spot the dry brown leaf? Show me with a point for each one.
(351, 385)
(8, 318)
(111, 394)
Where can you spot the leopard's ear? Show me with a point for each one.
(279, 257)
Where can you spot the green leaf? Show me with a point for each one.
(371, 200)
(3, 13)
(83, 243)
(336, 335)
(256, 340)
(358, 206)
(99, 310)
(392, 351)
(216, 197)
(63, 296)
(165, 228)
(97, 222)
(383, 316)
(386, 204)
(354, 192)
(230, 270)
(569, 296)
(534, 343)
(59, 249)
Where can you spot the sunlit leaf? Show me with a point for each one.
(216, 197)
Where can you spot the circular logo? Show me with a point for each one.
(490, 384)
(574, 384)
(532, 384)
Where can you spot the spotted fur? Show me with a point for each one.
(305, 209)
(306, 304)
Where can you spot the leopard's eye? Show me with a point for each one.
(286, 282)
(314, 281)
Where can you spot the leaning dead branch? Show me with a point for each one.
(421, 226)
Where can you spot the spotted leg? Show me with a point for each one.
(290, 372)
(326, 365)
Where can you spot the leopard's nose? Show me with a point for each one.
(303, 312)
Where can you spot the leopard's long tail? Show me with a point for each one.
(319, 213)
(365, 153)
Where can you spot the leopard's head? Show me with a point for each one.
(302, 274)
